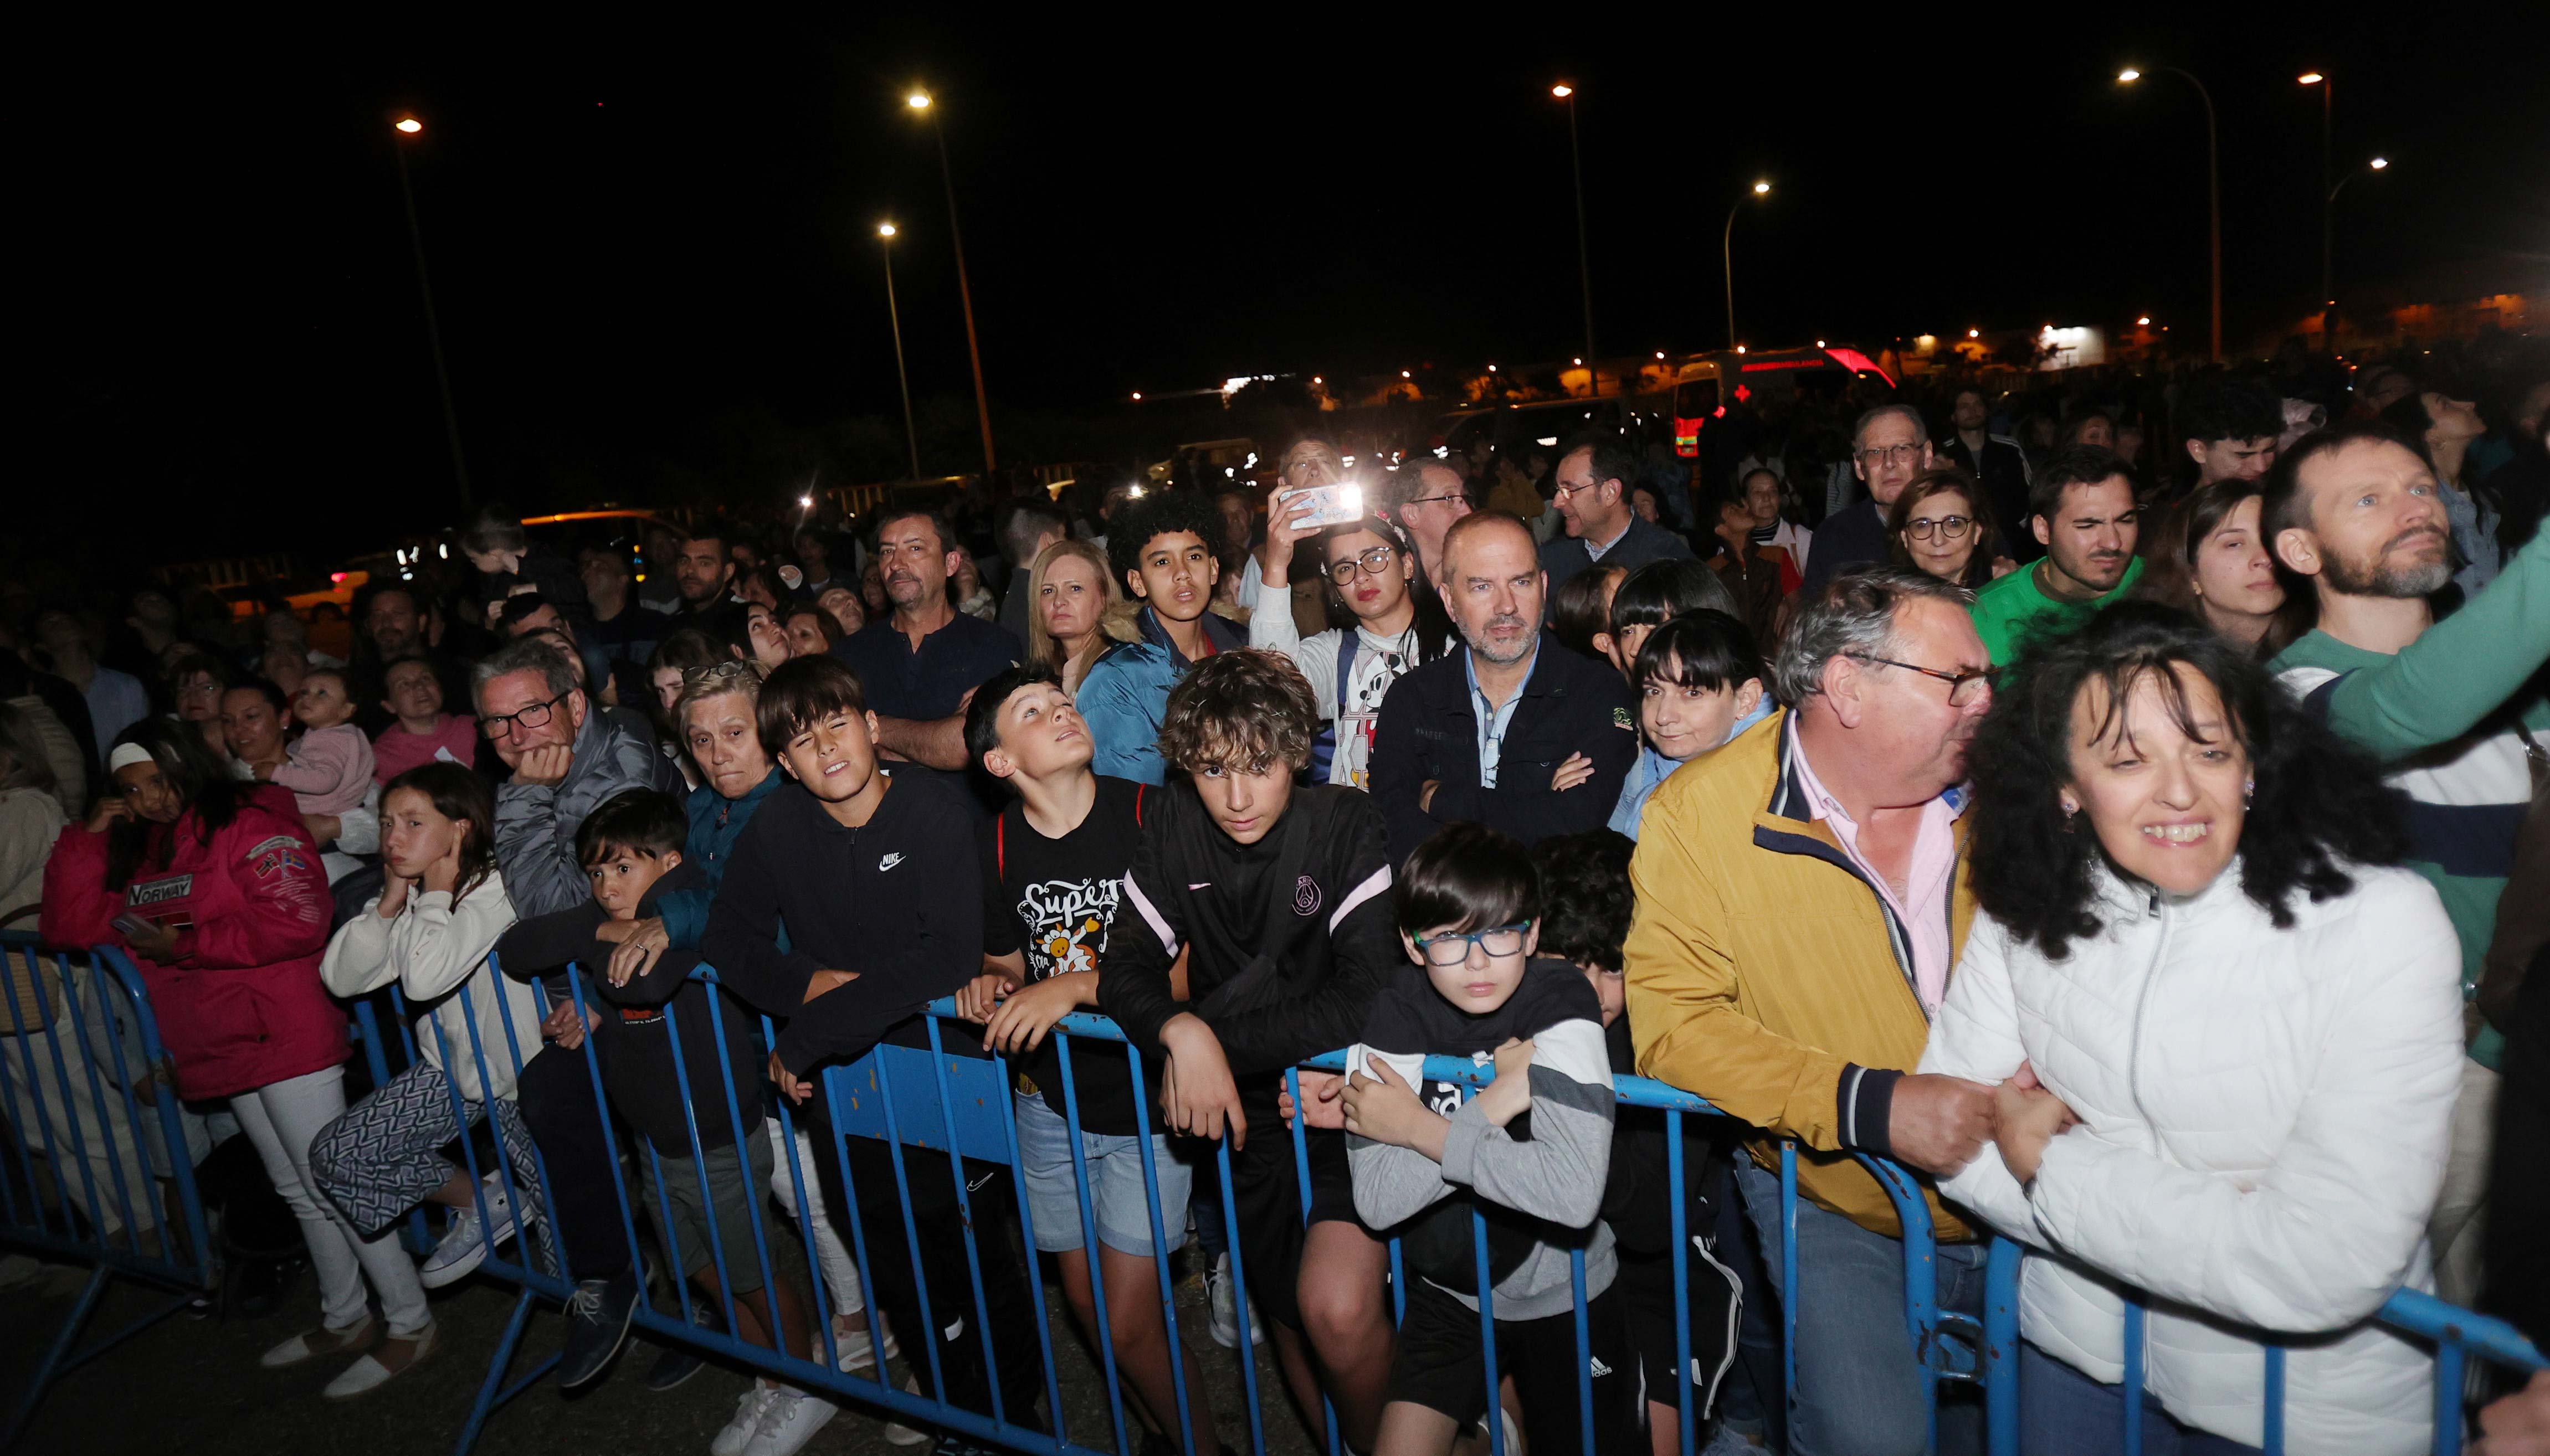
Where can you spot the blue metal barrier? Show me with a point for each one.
(953, 1108)
(2455, 1332)
(74, 1078)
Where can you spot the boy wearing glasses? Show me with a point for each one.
(1529, 1156)
(1374, 570)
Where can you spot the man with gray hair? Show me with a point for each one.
(567, 758)
(1422, 498)
(1799, 907)
(1888, 447)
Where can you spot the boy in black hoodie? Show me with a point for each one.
(876, 882)
(1280, 892)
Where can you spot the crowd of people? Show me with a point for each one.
(2167, 899)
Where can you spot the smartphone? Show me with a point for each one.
(1328, 504)
(133, 927)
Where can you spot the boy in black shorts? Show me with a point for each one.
(1279, 890)
(1053, 879)
(1528, 1157)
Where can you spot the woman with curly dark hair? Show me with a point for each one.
(2227, 1028)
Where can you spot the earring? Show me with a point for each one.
(2248, 791)
(2070, 811)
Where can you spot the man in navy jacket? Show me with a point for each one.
(1514, 730)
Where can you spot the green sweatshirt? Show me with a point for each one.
(2014, 608)
(2447, 716)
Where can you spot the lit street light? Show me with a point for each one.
(408, 127)
(1584, 265)
(1760, 189)
(911, 437)
(2212, 185)
(920, 101)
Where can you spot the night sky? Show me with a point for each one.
(654, 253)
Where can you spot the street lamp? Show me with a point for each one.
(921, 101)
(2212, 185)
(911, 437)
(409, 127)
(1584, 266)
(2328, 207)
(1760, 189)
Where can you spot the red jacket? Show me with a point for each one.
(240, 1004)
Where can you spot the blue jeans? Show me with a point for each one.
(1859, 1383)
(2063, 1412)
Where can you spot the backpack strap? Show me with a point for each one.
(1138, 787)
(1001, 845)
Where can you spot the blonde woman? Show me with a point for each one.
(1075, 611)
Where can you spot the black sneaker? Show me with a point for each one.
(598, 1317)
(679, 1363)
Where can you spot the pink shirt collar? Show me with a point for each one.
(1922, 909)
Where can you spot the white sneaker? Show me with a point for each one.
(895, 1432)
(464, 1247)
(858, 1347)
(1225, 1308)
(740, 1428)
(789, 1422)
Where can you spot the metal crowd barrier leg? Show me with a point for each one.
(1027, 1224)
(182, 1264)
(965, 1215)
(1090, 1250)
(1302, 1175)
(1682, 1278)
(1161, 1259)
(2000, 1348)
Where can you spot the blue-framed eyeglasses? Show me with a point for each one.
(1453, 949)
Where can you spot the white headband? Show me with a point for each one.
(127, 755)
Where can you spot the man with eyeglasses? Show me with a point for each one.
(1512, 731)
(2082, 511)
(1798, 909)
(1422, 498)
(1309, 462)
(1593, 500)
(567, 759)
(1888, 447)
(1376, 575)
(1996, 461)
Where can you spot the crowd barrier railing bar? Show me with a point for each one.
(2456, 1333)
(958, 1107)
(75, 1082)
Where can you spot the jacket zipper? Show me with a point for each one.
(2135, 1057)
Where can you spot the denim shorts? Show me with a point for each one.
(1118, 1197)
(739, 1199)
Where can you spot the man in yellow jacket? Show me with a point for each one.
(1799, 906)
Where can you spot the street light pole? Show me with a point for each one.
(1584, 264)
(911, 437)
(1760, 189)
(2328, 204)
(2213, 187)
(921, 101)
(407, 127)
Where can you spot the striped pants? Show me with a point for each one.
(384, 1154)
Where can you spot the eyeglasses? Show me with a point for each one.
(1425, 500)
(1372, 562)
(1451, 950)
(1893, 454)
(1963, 687)
(1572, 490)
(535, 716)
(1949, 528)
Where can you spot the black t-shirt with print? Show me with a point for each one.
(1055, 900)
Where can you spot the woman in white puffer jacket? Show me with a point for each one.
(2226, 1032)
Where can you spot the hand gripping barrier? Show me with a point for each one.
(949, 1285)
(94, 1132)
